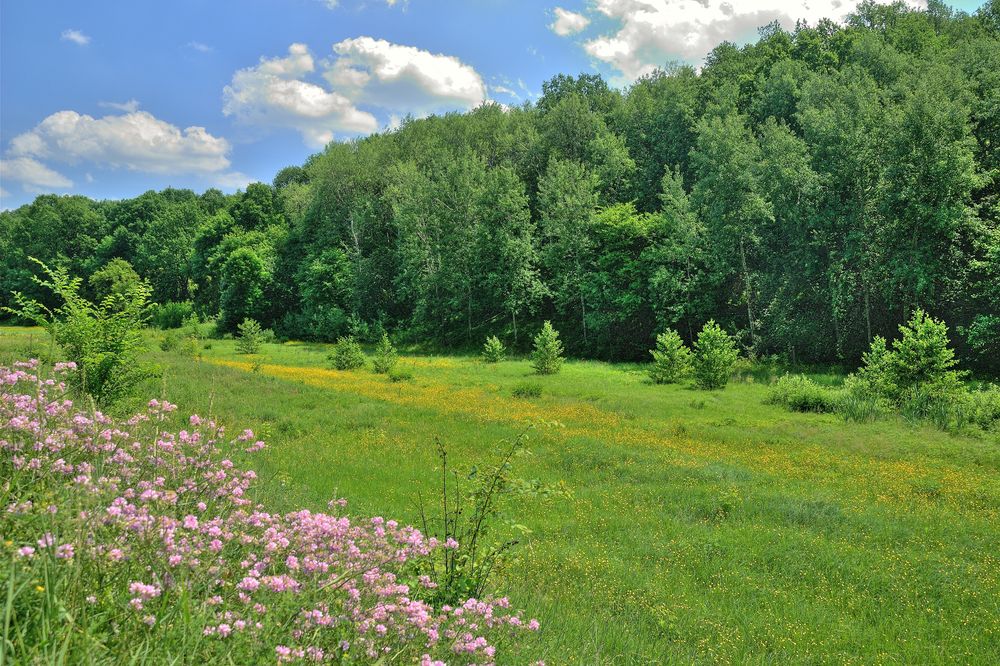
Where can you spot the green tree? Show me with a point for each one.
(566, 201)
(385, 357)
(547, 357)
(715, 356)
(671, 359)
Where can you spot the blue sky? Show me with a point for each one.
(111, 98)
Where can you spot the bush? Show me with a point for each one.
(85, 579)
(921, 356)
(715, 356)
(493, 350)
(251, 337)
(104, 339)
(857, 402)
(170, 342)
(347, 354)
(172, 314)
(527, 390)
(385, 357)
(671, 359)
(801, 394)
(876, 377)
(984, 407)
(398, 374)
(547, 358)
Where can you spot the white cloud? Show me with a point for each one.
(653, 32)
(568, 23)
(274, 94)
(130, 106)
(75, 36)
(233, 180)
(32, 174)
(398, 80)
(137, 141)
(403, 78)
(198, 46)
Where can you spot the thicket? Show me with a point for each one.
(806, 191)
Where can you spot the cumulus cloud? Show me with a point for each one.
(652, 32)
(275, 94)
(137, 141)
(568, 23)
(198, 46)
(363, 73)
(128, 107)
(75, 36)
(32, 174)
(403, 78)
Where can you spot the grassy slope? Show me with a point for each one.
(704, 527)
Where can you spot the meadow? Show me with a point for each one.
(689, 526)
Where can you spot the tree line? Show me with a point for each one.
(808, 191)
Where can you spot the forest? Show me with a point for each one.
(808, 191)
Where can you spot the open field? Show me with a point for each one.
(702, 527)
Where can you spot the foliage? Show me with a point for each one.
(671, 359)
(807, 191)
(472, 506)
(547, 357)
(251, 337)
(400, 374)
(184, 582)
(493, 350)
(715, 357)
(801, 394)
(347, 354)
(115, 277)
(172, 314)
(922, 356)
(527, 390)
(385, 357)
(103, 339)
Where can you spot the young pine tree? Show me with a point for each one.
(671, 359)
(251, 337)
(493, 350)
(548, 355)
(385, 357)
(347, 354)
(715, 354)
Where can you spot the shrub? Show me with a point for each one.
(547, 358)
(385, 357)
(347, 354)
(801, 394)
(527, 390)
(921, 356)
(170, 342)
(876, 378)
(671, 359)
(715, 356)
(103, 339)
(251, 337)
(398, 374)
(984, 407)
(493, 350)
(857, 402)
(140, 574)
(172, 314)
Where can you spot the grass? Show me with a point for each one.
(703, 526)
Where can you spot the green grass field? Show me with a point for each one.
(702, 527)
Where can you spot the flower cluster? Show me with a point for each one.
(160, 532)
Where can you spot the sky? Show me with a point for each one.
(109, 99)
